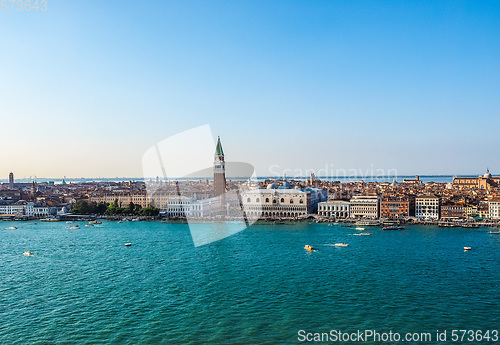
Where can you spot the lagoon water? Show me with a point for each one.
(257, 287)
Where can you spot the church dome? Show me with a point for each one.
(271, 186)
(285, 185)
(487, 175)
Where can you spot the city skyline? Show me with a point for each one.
(89, 87)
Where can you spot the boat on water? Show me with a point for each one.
(467, 248)
(69, 222)
(341, 245)
(309, 248)
(470, 226)
(128, 244)
(49, 220)
(497, 232)
(363, 234)
(28, 253)
(367, 223)
(12, 228)
(89, 224)
(396, 227)
(74, 227)
(360, 229)
(95, 222)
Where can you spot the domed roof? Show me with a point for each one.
(285, 185)
(271, 186)
(487, 175)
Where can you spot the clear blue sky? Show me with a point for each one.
(88, 86)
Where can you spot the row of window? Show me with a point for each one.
(274, 201)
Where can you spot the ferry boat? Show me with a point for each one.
(446, 225)
(367, 223)
(470, 226)
(309, 248)
(341, 245)
(397, 227)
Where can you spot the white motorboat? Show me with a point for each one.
(341, 245)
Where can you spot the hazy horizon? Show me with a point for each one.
(88, 87)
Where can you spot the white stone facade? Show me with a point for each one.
(335, 208)
(428, 207)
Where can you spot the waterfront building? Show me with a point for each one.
(394, 207)
(483, 211)
(452, 211)
(40, 211)
(16, 209)
(494, 208)
(282, 201)
(486, 182)
(365, 206)
(125, 199)
(427, 206)
(335, 208)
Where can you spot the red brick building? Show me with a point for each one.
(451, 210)
(394, 207)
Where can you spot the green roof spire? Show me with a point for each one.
(218, 150)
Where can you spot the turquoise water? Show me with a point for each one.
(257, 287)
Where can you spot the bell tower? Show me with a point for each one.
(219, 170)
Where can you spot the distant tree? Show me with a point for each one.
(114, 209)
(82, 207)
(101, 207)
(149, 211)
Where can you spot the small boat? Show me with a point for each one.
(497, 232)
(363, 234)
(69, 222)
(398, 227)
(95, 222)
(119, 221)
(467, 248)
(89, 224)
(360, 229)
(74, 227)
(49, 220)
(309, 248)
(28, 253)
(341, 245)
(128, 244)
(12, 228)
